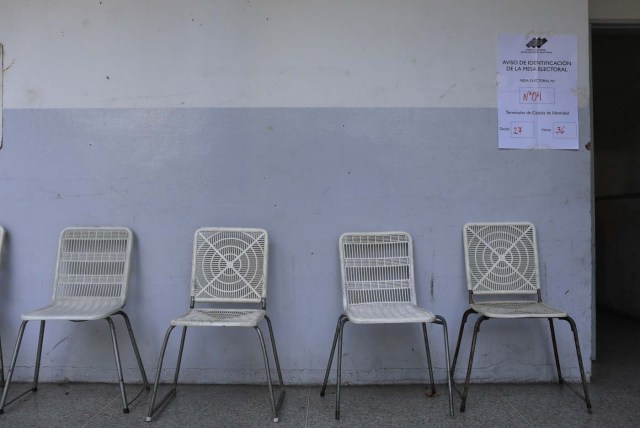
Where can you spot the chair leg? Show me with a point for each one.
(441, 320)
(36, 373)
(574, 329)
(135, 349)
(333, 348)
(268, 370)
(555, 351)
(157, 382)
(339, 368)
(1, 368)
(473, 350)
(125, 405)
(457, 350)
(5, 391)
(277, 361)
(426, 345)
(179, 363)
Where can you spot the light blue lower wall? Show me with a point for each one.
(306, 175)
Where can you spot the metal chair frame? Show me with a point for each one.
(501, 260)
(1, 359)
(377, 283)
(91, 281)
(229, 266)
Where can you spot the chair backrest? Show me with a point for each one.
(501, 258)
(93, 263)
(229, 265)
(377, 268)
(1, 241)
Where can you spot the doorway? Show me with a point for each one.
(615, 71)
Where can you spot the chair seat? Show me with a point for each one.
(76, 309)
(388, 313)
(220, 318)
(517, 310)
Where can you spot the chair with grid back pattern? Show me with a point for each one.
(91, 279)
(503, 281)
(1, 360)
(378, 287)
(229, 266)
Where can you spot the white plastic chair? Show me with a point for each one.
(229, 266)
(378, 287)
(503, 280)
(1, 360)
(91, 279)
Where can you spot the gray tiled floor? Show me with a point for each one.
(615, 393)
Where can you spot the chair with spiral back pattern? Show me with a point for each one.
(229, 267)
(503, 282)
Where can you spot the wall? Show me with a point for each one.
(306, 119)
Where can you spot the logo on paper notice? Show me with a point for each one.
(536, 42)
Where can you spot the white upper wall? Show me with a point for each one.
(268, 53)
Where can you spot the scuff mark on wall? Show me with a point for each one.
(64, 339)
(9, 66)
(60, 342)
(33, 97)
(448, 91)
(432, 285)
(60, 195)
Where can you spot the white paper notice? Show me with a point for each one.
(537, 99)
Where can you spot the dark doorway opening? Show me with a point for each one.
(615, 63)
